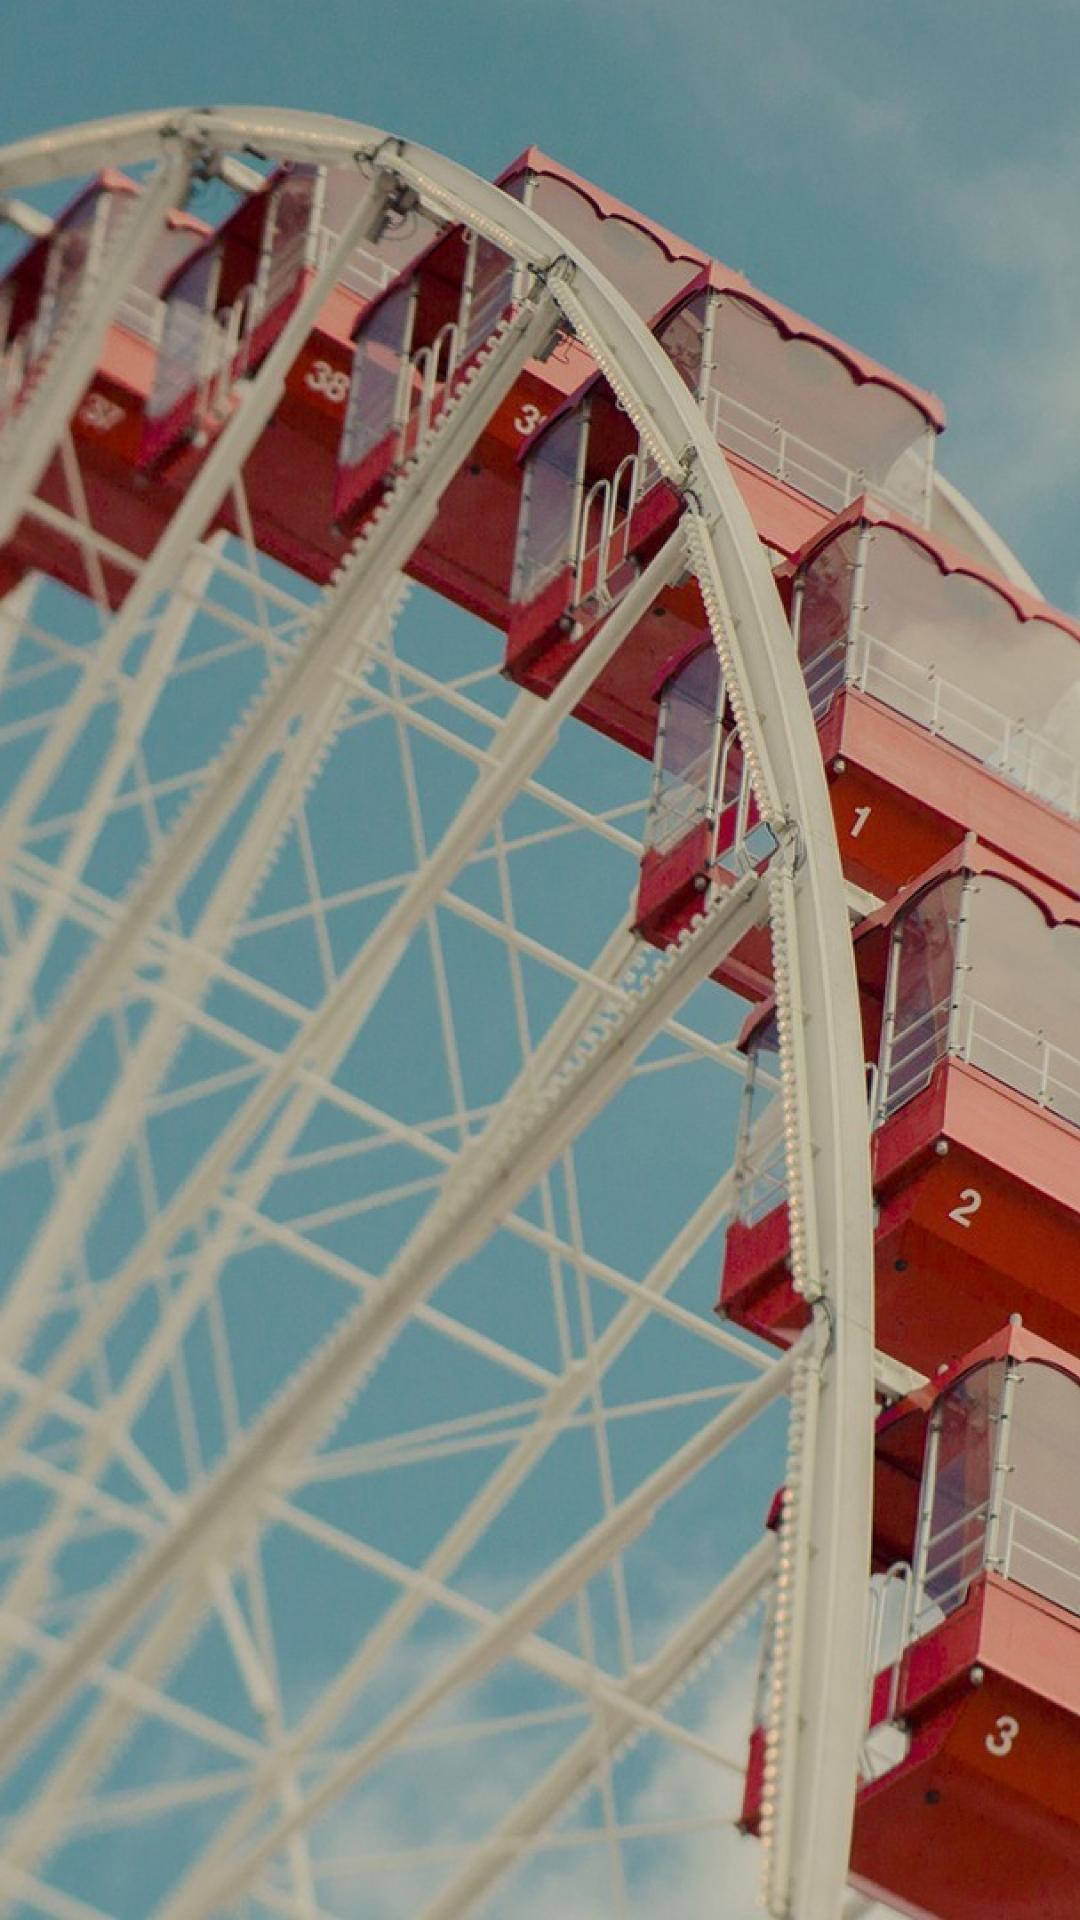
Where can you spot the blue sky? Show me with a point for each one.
(905, 176)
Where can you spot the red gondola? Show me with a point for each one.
(946, 700)
(968, 984)
(969, 1795)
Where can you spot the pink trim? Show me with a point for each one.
(970, 856)
(221, 234)
(717, 278)
(949, 559)
(534, 160)
(1011, 1342)
(863, 370)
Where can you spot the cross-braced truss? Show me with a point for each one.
(380, 1492)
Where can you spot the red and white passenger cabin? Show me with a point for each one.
(969, 1796)
(38, 297)
(945, 698)
(205, 309)
(969, 983)
(225, 306)
(807, 425)
(38, 292)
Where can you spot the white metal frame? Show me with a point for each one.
(817, 1716)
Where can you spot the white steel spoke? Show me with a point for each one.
(565, 1779)
(182, 979)
(524, 737)
(488, 1180)
(502, 1634)
(170, 556)
(311, 1069)
(23, 964)
(85, 1758)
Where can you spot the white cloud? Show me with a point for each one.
(436, 1798)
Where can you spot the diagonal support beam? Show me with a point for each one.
(386, 546)
(496, 1856)
(524, 738)
(209, 1891)
(170, 560)
(23, 963)
(183, 977)
(486, 1183)
(91, 1749)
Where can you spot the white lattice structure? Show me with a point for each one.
(374, 1463)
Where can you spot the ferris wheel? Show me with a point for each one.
(384, 1498)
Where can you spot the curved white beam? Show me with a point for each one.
(174, 552)
(382, 551)
(825, 1073)
(521, 743)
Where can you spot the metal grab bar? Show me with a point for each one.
(224, 350)
(771, 445)
(1015, 1513)
(425, 402)
(1049, 1086)
(1020, 754)
(611, 547)
(364, 273)
(878, 1659)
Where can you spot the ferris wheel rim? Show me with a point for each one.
(778, 720)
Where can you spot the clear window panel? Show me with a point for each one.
(683, 340)
(631, 258)
(373, 264)
(950, 653)
(794, 409)
(492, 293)
(825, 618)
(923, 965)
(289, 230)
(186, 334)
(377, 373)
(683, 791)
(955, 1547)
(548, 520)
(1019, 995)
(760, 1165)
(1039, 1533)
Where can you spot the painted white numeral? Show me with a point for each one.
(528, 419)
(1000, 1743)
(322, 378)
(970, 1202)
(862, 815)
(100, 414)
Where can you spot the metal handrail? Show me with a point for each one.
(1013, 1512)
(776, 448)
(610, 549)
(1049, 772)
(364, 273)
(1050, 1084)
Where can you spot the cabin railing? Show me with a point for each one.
(809, 469)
